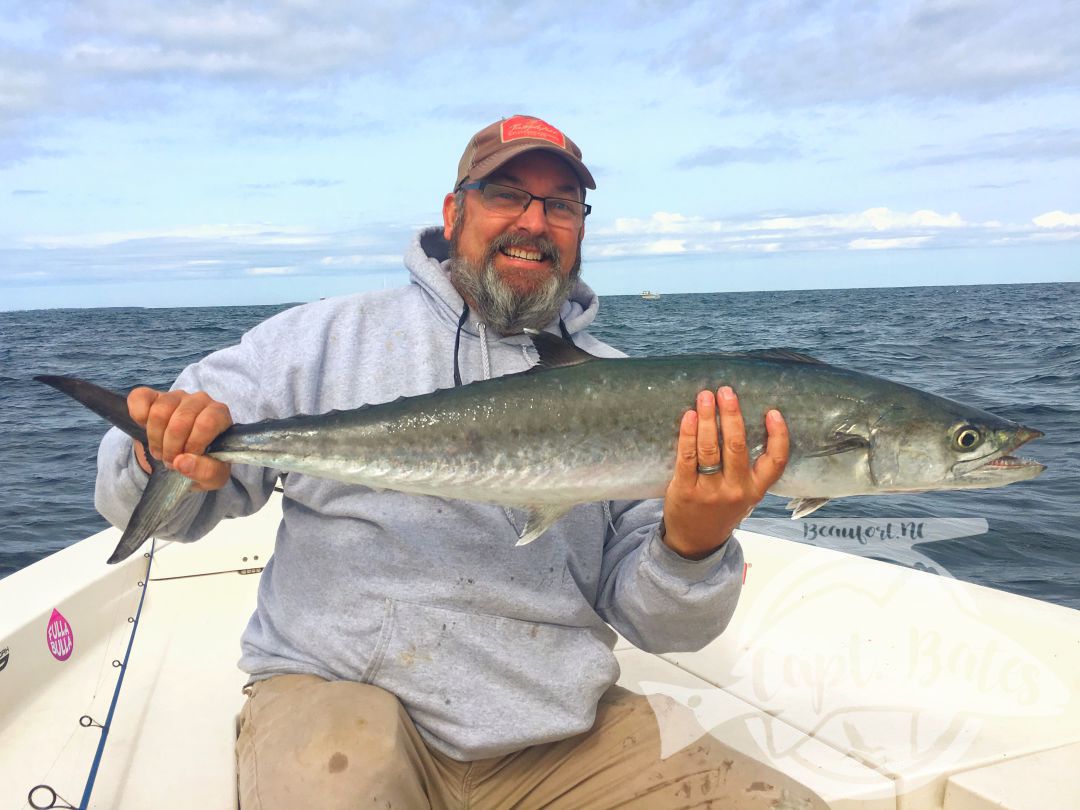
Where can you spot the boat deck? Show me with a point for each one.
(842, 682)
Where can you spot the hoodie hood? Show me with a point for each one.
(427, 260)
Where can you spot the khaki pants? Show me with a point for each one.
(309, 743)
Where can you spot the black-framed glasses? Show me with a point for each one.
(513, 201)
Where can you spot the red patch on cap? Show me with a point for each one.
(60, 636)
(521, 126)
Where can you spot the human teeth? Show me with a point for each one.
(518, 253)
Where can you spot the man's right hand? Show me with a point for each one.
(179, 428)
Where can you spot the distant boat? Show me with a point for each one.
(648, 295)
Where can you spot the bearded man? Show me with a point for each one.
(403, 652)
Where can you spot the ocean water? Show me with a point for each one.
(1012, 349)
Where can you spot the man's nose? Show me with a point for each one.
(533, 219)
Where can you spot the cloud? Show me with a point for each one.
(768, 149)
(21, 90)
(92, 57)
(202, 252)
(271, 271)
(1057, 219)
(872, 229)
(1035, 144)
(279, 41)
(303, 182)
(235, 234)
(360, 260)
(238, 251)
(211, 40)
(887, 244)
(842, 51)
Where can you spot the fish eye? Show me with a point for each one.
(966, 438)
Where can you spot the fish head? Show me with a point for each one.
(939, 444)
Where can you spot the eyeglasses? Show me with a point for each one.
(513, 201)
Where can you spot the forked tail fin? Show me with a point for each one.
(166, 487)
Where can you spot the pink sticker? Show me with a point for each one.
(60, 637)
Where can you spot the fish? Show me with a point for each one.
(577, 428)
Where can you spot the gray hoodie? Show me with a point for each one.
(491, 648)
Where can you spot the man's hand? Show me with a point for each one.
(701, 510)
(179, 427)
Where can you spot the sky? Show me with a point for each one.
(191, 153)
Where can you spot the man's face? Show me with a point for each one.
(524, 255)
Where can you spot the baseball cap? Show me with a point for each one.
(498, 143)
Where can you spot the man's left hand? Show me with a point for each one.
(702, 509)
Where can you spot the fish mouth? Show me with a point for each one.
(1000, 467)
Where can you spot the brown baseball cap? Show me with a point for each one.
(498, 143)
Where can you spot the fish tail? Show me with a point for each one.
(105, 403)
(165, 488)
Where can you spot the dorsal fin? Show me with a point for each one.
(555, 352)
(783, 354)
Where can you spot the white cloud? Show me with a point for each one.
(1057, 219)
(1034, 144)
(20, 90)
(240, 233)
(211, 251)
(659, 222)
(664, 246)
(359, 260)
(879, 228)
(887, 244)
(270, 271)
(875, 219)
(843, 51)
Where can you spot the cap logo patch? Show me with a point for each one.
(522, 127)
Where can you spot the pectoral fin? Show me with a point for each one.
(839, 443)
(165, 489)
(801, 507)
(539, 520)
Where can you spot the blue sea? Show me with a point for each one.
(1010, 349)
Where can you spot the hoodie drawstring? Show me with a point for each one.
(485, 355)
(457, 343)
(484, 352)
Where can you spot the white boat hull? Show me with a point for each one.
(863, 684)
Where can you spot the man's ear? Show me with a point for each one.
(449, 214)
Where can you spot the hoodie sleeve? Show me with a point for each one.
(231, 376)
(657, 599)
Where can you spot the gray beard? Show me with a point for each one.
(498, 304)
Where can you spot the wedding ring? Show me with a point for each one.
(710, 470)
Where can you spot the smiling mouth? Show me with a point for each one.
(522, 253)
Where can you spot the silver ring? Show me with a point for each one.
(712, 469)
